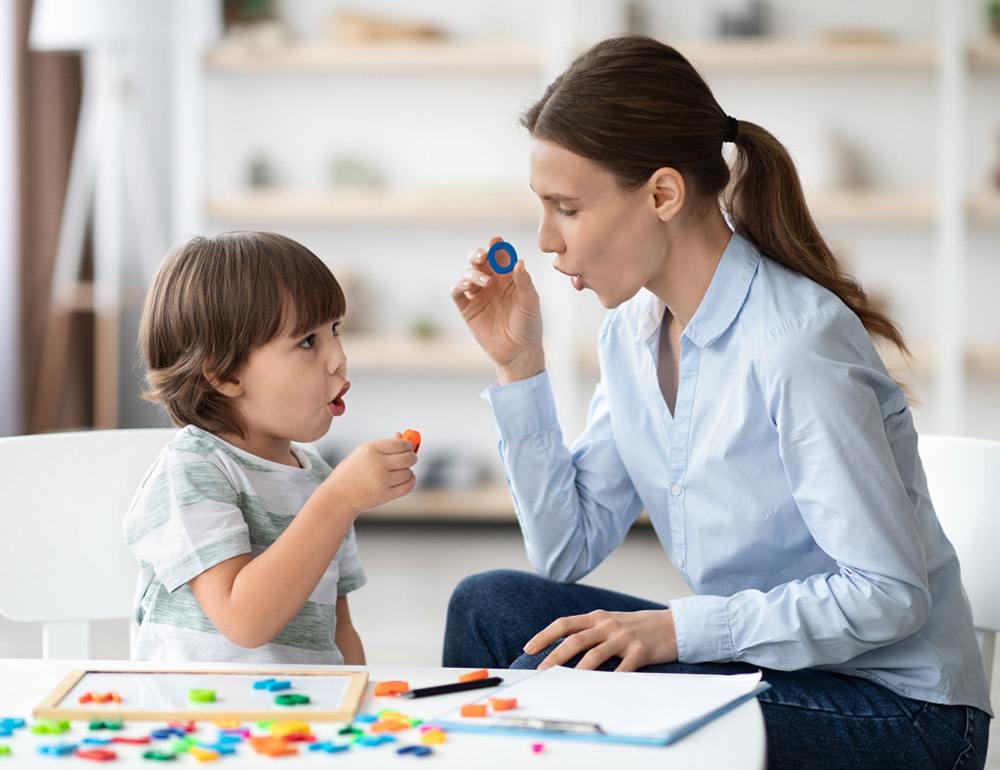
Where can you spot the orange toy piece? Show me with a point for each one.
(273, 747)
(97, 697)
(503, 704)
(391, 687)
(413, 437)
(472, 676)
(474, 710)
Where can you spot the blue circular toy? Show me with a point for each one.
(492, 257)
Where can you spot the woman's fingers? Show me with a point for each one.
(557, 629)
(638, 638)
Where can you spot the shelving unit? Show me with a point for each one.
(426, 57)
(942, 213)
(362, 207)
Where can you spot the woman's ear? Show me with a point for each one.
(668, 190)
(231, 387)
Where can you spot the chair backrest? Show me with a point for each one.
(63, 558)
(963, 477)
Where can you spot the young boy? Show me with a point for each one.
(245, 541)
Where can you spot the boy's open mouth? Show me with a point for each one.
(337, 407)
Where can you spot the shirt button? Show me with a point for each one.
(675, 490)
(680, 562)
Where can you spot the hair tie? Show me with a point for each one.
(734, 127)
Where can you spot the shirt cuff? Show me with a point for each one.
(523, 407)
(702, 629)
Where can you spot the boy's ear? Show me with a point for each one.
(231, 387)
(668, 190)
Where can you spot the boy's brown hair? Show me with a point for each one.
(212, 302)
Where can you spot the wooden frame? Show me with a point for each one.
(52, 707)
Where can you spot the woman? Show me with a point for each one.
(742, 404)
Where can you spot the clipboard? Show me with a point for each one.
(651, 709)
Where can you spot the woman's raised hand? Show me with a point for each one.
(503, 314)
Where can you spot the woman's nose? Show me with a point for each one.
(550, 240)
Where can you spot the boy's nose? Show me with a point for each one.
(336, 361)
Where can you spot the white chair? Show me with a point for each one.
(63, 558)
(963, 476)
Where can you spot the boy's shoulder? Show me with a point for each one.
(193, 445)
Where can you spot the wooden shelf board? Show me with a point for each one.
(985, 206)
(374, 58)
(459, 58)
(873, 206)
(490, 503)
(798, 55)
(985, 54)
(408, 355)
(322, 207)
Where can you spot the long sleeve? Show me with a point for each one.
(574, 506)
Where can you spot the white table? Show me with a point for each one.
(733, 741)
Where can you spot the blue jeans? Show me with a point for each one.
(813, 719)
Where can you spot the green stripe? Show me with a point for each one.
(180, 485)
(351, 582)
(204, 558)
(264, 526)
(206, 445)
(313, 627)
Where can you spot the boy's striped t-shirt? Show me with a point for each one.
(205, 501)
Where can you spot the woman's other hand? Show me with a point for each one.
(640, 639)
(502, 312)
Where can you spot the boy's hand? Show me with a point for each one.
(375, 473)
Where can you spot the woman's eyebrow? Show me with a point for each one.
(558, 197)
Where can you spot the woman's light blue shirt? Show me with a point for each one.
(786, 487)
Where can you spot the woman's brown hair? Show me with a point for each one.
(633, 105)
(212, 302)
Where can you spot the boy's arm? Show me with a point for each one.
(249, 600)
(346, 636)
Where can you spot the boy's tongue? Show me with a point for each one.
(337, 407)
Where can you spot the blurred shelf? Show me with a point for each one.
(373, 354)
(471, 58)
(488, 503)
(985, 206)
(414, 58)
(796, 56)
(873, 206)
(287, 206)
(984, 360)
(362, 207)
(985, 54)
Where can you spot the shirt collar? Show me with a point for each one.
(722, 301)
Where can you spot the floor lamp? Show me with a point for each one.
(111, 188)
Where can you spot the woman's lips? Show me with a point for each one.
(576, 280)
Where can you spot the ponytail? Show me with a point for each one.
(766, 206)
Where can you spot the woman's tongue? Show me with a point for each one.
(577, 282)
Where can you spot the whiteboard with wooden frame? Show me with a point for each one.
(333, 696)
